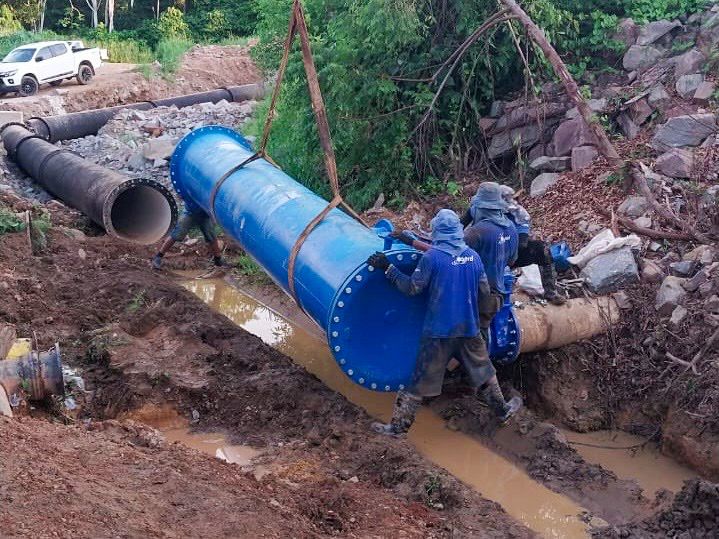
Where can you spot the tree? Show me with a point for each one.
(94, 6)
(110, 15)
(8, 21)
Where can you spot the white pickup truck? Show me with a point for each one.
(24, 69)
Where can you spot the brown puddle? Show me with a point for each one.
(176, 429)
(626, 456)
(546, 512)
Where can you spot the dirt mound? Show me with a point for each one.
(694, 513)
(122, 480)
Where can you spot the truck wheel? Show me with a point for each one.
(56, 83)
(28, 86)
(84, 76)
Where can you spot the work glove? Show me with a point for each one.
(379, 261)
(405, 237)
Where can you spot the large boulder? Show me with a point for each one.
(542, 183)
(627, 32)
(611, 271)
(687, 85)
(582, 157)
(505, 143)
(676, 163)
(633, 206)
(550, 164)
(688, 63)
(688, 130)
(159, 148)
(705, 92)
(649, 33)
(570, 134)
(671, 293)
(658, 97)
(639, 58)
(639, 111)
(627, 125)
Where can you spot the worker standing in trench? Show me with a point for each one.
(532, 251)
(189, 220)
(458, 292)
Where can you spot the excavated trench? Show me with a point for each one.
(497, 478)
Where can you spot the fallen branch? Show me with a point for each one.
(647, 232)
(663, 211)
(570, 85)
(693, 364)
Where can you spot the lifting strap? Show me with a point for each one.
(298, 24)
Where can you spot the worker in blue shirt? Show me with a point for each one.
(454, 277)
(493, 235)
(532, 251)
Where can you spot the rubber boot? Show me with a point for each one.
(157, 262)
(403, 414)
(494, 398)
(549, 283)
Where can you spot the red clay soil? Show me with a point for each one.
(141, 339)
(115, 479)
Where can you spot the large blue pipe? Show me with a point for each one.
(372, 329)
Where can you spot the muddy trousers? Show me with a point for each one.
(537, 252)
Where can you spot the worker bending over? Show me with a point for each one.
(189, 220)
(532, 251)
(493, 235)
(457, 285)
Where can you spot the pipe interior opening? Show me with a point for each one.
(141, 214)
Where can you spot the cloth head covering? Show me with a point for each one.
(489, 205)
(448, 233)
(507, 193)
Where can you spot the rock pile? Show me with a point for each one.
(669, 81)
(140, 143)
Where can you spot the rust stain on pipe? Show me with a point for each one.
(551, 326)
(36, 374)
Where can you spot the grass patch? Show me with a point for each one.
(249, 268)
(125, 51)
(10, 221)
(169, 53)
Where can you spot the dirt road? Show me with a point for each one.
(203, 68)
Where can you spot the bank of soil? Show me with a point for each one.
(141, 339)
(204, 67)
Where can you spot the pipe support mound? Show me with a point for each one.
(139, 211)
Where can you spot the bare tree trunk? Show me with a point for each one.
(570, 85)
(110, 18)
(43, 6)
(157, 10)
(94, 6)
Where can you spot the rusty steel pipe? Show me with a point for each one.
(547, 327)
(37, 375)
(89, 122)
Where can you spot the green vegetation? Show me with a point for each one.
(249, 268)
(138, 301)
(10, 221)
(376, 61)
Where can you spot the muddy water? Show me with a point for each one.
(546, 512)
(177, 429)
(626, 456)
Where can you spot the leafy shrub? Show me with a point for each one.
(172, 24)
(169, 53)
(8, 22)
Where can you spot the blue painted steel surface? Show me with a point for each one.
(504, 333)
(372, 329)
